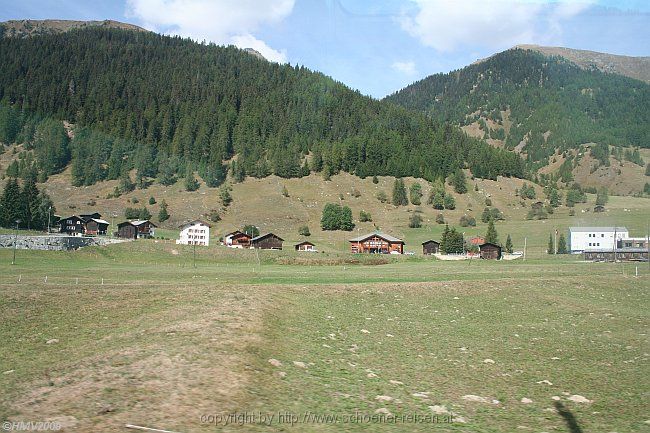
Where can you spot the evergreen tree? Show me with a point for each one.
(304, 231)
(602, 197)
(191, 184)
(443, 239)
(346, 219)
(224, 195)
(459, 182)
(399, 193)
(449, 202)
(166, 172)
(561, 245)
(29, 203)
(491, 235)
(509, 244)
(440, 219)
(415, 193)
(330, 217)
(375, 180)
(163, 215)
(10, 204)
(415, 221)
(550, 249)
(126, 185)
(251, 230)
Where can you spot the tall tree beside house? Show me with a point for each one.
(550, 249)
(451, 241)
(443, 239)
(251, 230)
(163, 215)
(415, 193)
(10, 209)
(29, 202)
(399, 193)
(561, 245)
(602, 196)
(491, 234)
(509, 244)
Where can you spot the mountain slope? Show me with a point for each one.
(536, 105)
(158, 103)
(633, 67)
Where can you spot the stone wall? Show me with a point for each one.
(53, 242)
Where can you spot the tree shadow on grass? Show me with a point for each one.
(569, 418)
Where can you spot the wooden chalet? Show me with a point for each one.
(268, 241)
(620, 254)
(136, 229)
(490, 251)
(430, 247)
(237, 239)
(88, 216)
(83, 225)
(377, 243)
(305, 246)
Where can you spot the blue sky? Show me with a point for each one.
(376, 46)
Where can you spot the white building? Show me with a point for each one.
(195, 233)
(595, 238)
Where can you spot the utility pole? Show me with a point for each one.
(525, 240)
(555, 243)
(13, 262)
(49, 210)
(194, 253)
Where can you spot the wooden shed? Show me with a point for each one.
(237, 239)
(430, 247)
(127, 230)
(490, 251)
(305, 246)
(268, 241)
(96, 226)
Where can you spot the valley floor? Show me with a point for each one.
(136, 334)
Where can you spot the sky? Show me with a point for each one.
(374, 46)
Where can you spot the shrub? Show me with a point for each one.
(440, 218)
(415, 221)
(152, 201)
(304, 231)
(214, 216)
(365, 216)
(467, 221)
(382, 197)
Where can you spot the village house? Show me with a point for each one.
(268, 241)
(377, 243)
(430, 247)
(237, 239)
(632, 243)
(84, 225)
(194, 233)
(490, 251)
(136, 229)
(305, 246)
(595, 238)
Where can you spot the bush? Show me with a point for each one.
(304, 231)
(152, 201)
(285, 191)
(467, 221)
(214, 216)
(163, 215)
(488, 202)
(131, 213)
(382, 197)
(251, 230)
(415, 221)
(440, 218)
(355, 193)
(375, 180)
(449, 202)
(365, 216)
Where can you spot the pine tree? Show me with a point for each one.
(443, 239)
(449, 202)
(29, 202)
(602, 197)
(550, 249)
(491, 235)
(399, 193)
(561, 245)
(509, 244)
(163, 215)
(415, 193)
(10, 204)
(125, 183)
(191, 184)
(375, 180)
(415, 221)
(224, 195)
(459, 182)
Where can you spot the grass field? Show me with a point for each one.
(136, 334)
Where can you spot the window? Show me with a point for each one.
(602, 235)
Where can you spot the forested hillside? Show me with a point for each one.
(538, 105)
(168, 106)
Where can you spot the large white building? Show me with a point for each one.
(195, 233)
(595, 238)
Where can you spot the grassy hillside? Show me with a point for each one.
(261, 202)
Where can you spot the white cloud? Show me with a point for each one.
(449, 24)
(407, 68)
(218, 21)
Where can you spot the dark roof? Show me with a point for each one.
(305, 243)
(384, 236)
(489, 243)
(260, 237)
(430, 241)
(236, 232)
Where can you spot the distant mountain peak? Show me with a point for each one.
(26, 28)
(633, 67)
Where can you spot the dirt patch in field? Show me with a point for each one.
(188, 362)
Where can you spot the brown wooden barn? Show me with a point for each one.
(490, 251)
(237, 239)
(430, 247)
(268, 241)
(377, 243)
(305, 246)
(136, 229)
(95, 226)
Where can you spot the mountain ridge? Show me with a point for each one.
(27, 28)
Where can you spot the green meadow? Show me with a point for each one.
(158, 335)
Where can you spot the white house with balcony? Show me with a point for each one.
(595, 238)
(195, 233)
